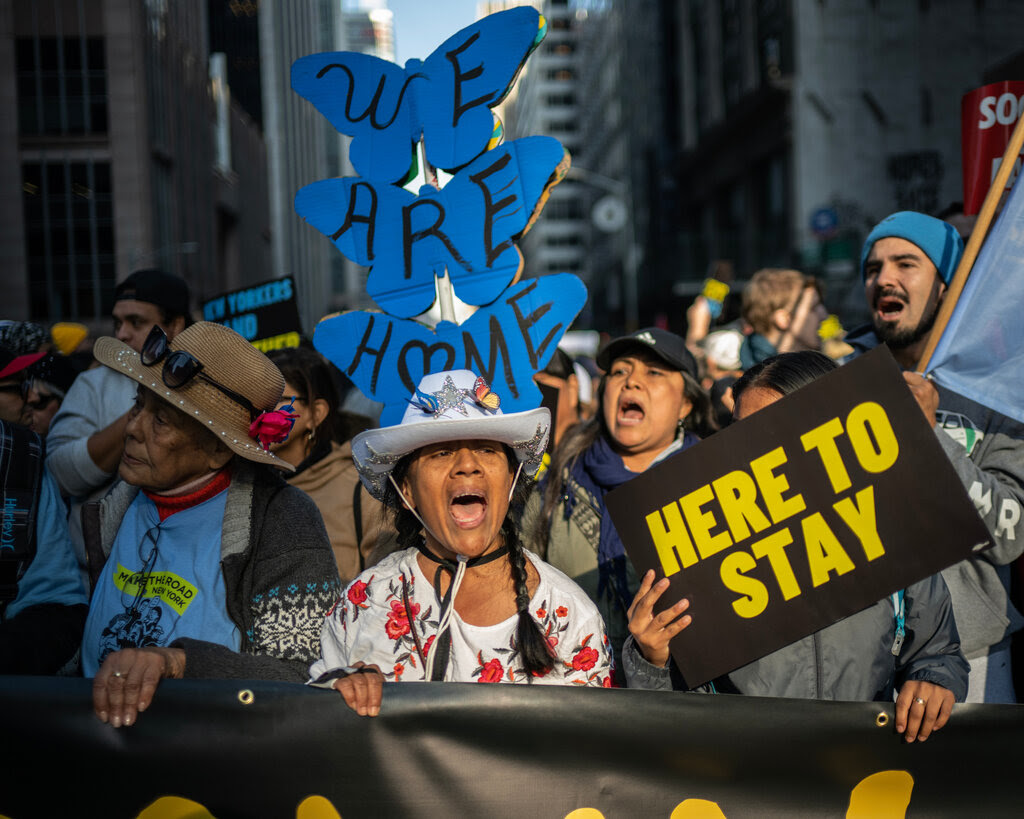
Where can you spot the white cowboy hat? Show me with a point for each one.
(449, 406)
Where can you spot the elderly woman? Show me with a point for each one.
(908, 641)
(651, 407)
(463, 601)
(205, 562)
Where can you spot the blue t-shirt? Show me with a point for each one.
(162, 581)
(52, 576)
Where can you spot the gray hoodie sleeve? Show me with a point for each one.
(640, 673)
(993, 476)
(96, 398)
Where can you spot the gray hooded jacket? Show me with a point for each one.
(850, 660)
(987, 451)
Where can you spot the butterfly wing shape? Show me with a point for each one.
(446, 98)
(466, 76)
(489, 205)
(370, 100)
(505, 342)
(468, 228)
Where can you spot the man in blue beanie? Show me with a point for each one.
(907, 263)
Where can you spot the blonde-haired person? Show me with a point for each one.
(204, 561)
(784, 310)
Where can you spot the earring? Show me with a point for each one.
(680, 427)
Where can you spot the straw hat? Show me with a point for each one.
(228, 359)
(449, 406)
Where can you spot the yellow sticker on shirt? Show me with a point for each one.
(171, 588)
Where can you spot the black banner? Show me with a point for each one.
(809, 510)
(261, 749)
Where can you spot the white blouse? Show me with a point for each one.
(370, 625)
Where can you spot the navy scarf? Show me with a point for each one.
(599, 470)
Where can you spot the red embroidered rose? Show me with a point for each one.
(428, 644)
(585, 659)
(561, 611)
(492, 672)
(541, 614)
(357, 593)
(398, 621)
(272, 427)
(606, 682)
(399, 670)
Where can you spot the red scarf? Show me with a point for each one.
(167, 505)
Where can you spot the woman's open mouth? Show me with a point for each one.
(630, 412)
(468, 509)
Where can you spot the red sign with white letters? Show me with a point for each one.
(987, 118)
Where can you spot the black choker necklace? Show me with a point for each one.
(451, 565)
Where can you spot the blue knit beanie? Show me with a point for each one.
(939, 240)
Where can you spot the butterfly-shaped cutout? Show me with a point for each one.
(445, 99)
(507, 342)
(468, 228)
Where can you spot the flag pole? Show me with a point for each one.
(981, 226)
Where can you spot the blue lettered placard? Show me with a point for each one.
(446, 98)
(467, 228)
(506, 342)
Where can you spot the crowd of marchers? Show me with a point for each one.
(177, 504)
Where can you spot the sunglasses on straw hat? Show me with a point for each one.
(180, 367)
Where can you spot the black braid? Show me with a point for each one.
(534, 651)
(405, 522)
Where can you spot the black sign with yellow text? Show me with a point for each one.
(266, 314)
(812, 509)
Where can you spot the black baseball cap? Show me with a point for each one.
(165, 290)
(667, 346)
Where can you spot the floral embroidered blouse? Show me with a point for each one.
(370, 624)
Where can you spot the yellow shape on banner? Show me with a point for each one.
(884, 795)
(316, 807)
(585, 813)
(697, 809)
(174, 807)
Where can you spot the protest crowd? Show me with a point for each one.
(201, 510)
(179, 505)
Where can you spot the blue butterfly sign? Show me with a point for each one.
(446, 98)
(505, 342)
(467, 228)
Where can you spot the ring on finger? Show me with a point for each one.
(118, 673)
(919, 701)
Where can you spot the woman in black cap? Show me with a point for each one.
(651, 407)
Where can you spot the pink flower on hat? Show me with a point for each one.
(272, 427)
